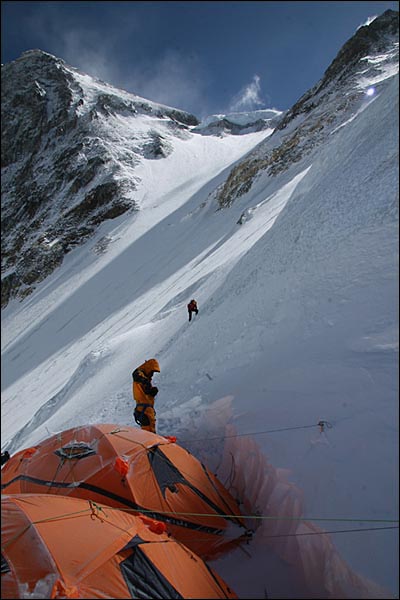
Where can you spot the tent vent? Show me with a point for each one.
(75, 450)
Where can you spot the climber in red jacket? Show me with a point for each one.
(192, 308)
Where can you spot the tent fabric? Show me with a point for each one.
(63, 547)
(136, 470)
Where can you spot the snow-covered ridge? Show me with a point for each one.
(91, 87)
(242, 118)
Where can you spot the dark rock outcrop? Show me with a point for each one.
(67, 164)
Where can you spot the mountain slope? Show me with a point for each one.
(70, 147)
(297, 284)
(355, 76)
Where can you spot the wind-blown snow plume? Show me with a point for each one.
(249, 98)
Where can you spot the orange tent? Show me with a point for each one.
(132, 469)
(61, 547)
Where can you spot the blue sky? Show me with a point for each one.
(203, 57)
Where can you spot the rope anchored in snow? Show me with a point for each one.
(320, 424)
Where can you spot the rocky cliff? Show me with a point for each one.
(70, 145)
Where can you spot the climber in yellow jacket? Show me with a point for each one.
(144, 393)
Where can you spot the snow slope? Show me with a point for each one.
(297, 322)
